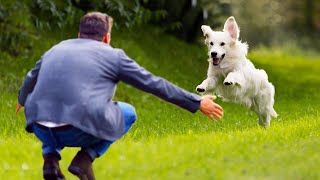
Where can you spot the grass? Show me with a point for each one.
(170, 143)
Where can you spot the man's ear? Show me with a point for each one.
(107, 38)
(232, 28)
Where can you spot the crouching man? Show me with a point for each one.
(68, 95)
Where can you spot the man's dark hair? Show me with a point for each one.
(94, 25)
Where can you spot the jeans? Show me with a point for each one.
(54, 140)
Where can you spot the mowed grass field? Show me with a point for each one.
(170, 143)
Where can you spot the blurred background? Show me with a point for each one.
(164, 36)
(263, 23)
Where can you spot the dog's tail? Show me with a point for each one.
(273, 113)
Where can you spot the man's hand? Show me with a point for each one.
(209, 108)
(19, 106)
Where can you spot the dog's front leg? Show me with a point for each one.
(234, 78)
(207, 85)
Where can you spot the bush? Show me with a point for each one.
(53, 14)
(19, 20)
(16, 27)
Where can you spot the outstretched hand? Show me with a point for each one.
(211, 109)
(19, 106)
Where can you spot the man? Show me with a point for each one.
(68, 97)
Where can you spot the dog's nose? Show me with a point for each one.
(214, 54)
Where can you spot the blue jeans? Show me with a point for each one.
(53, 141)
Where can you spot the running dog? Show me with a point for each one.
(232, 76)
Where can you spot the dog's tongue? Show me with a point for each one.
(215, 61)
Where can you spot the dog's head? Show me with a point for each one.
(220, 42)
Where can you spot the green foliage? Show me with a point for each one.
(19, 20)
(15, 27)
(127, 13)
(268, 22)
(53, 14)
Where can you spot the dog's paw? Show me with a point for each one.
(228, 83)
(232, 80)
(200, 89)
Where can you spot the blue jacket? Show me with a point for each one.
(74, 83)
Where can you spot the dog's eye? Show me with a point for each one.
(211, 43)
(222, 44)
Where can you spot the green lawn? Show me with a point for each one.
(170, 143)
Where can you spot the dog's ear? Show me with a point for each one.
(206, 29)
(232, 28)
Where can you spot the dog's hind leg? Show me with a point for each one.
(264, 117)
(264, 120)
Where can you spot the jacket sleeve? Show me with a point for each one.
(29, 83)
(131, 73)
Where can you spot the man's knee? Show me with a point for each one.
(131, 114)
(128, 111)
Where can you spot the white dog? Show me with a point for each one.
(232, 76)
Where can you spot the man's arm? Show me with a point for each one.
(131, 73)
(28, 84)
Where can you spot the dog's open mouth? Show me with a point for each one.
(216, 61)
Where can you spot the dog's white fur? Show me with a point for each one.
(232, 76)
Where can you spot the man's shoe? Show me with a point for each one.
(51, 169)
(81, 166)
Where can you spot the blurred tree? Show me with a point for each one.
(262, 22)
(257, 20)
(309, 11)
(15, 27)
(275, 22)
(86, 5)
(184, 17)
(303, 15)
(301, 21)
